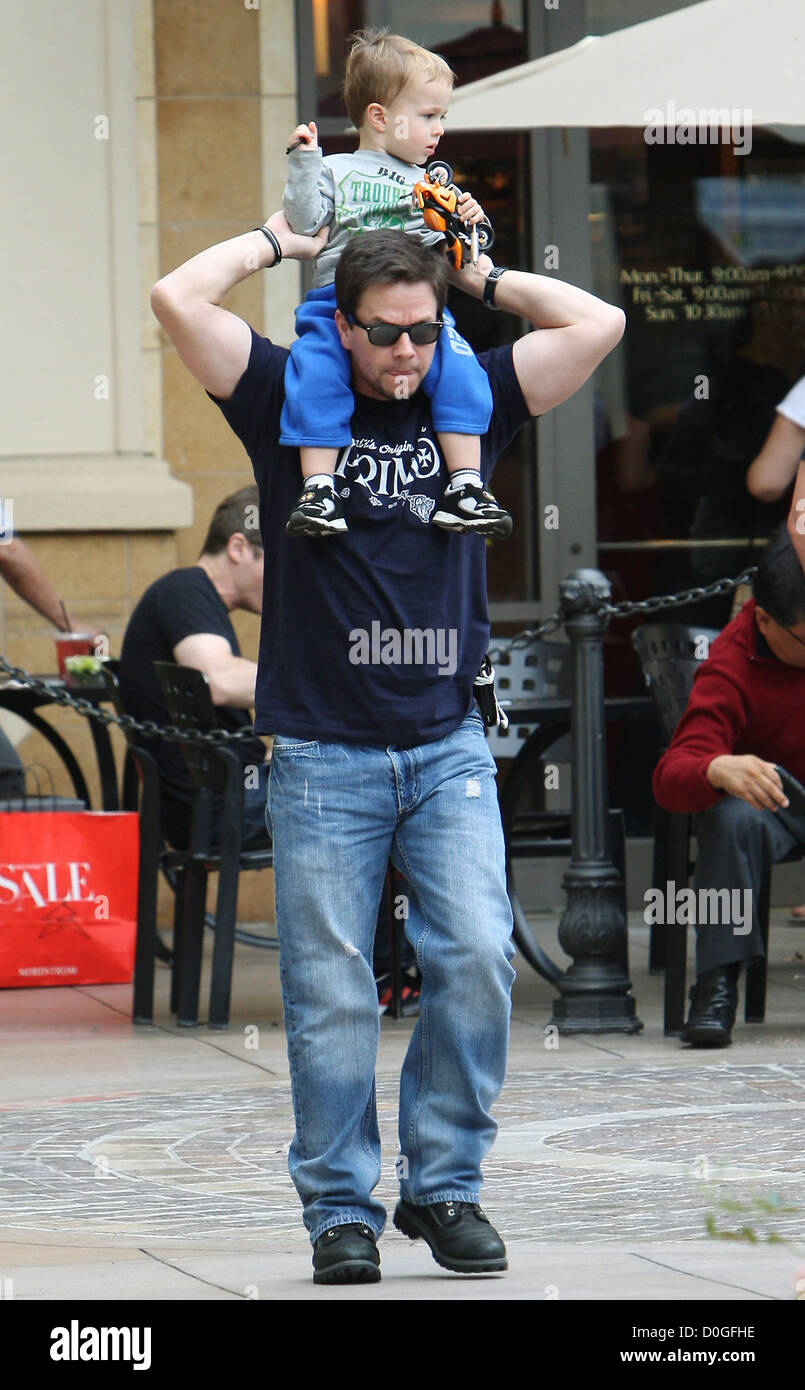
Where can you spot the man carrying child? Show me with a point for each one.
(381, 758)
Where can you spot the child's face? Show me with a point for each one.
(414, 120)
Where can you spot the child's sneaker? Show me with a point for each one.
(472, 508)
(317, 512)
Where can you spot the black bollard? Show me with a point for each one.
(595, 992)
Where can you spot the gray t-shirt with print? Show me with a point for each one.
(353, 193)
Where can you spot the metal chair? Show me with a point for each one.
(215, 771)
(141, 793)
(526, 677)
(670, 654)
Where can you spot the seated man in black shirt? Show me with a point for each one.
(184, 617)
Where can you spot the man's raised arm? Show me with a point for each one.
(550, 365)
(214, 343)
(796, 516)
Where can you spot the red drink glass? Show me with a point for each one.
(72, 644)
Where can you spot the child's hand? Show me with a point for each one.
(294, 246)
(468, 210)
(304, 135)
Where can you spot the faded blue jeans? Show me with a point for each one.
(338, 813)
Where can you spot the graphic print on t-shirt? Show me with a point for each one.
(390, 472)
(374, 201)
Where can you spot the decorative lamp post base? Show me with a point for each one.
(595, 992)
(597, 1013)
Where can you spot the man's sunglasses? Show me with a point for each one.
(386, 334)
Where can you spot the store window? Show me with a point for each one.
(704, 247)
(476, 37)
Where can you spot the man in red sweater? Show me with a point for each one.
(744, 716)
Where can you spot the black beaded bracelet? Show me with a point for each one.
(269, 235)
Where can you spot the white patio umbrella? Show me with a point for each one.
(739, 56)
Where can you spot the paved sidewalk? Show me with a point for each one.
(151, 1163)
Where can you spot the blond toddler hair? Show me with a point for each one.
(381, 64)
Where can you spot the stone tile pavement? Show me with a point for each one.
(151, 1163)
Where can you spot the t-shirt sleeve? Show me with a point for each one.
(254, 408)
(792, 406)
(188, 605)
(509, 410)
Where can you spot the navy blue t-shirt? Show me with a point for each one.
(373, 637)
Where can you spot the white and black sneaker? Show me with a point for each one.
(317, 512)
(472, 508)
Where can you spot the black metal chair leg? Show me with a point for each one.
(194, 908)
(179, 892)
(755, 1000)
(223, 950)
(659, 878)
(192, 940)
(676, 933)
(226, 909)
(143, 1001)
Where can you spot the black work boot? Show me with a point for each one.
(346, 1255)
(460, 1236)
(713, 1004)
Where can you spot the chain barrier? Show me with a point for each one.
(627, 608)
(655, 605)
(171, 734)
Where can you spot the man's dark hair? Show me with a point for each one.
(239, 512)
(388, 258)
(779, 585)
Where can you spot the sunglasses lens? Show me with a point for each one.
(383, 334)
(422, 333)
(386, 334)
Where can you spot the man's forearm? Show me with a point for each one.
(233, 682)
(796, 516)
(543, 301)
(211, 274)
(214, 343)
(20, 570)
(579, 331)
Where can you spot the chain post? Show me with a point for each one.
(595, 993)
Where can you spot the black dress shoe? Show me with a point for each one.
(346, 1255)
(460, 1236)
(714, 1001)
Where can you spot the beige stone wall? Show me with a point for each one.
(207, 94)
(215, 97)
(208, 117)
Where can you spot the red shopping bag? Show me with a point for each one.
(68, 897)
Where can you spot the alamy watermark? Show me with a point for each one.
(705, 126)
(77, 1343)
(408, 646)
(725, 907)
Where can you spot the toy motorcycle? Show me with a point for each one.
(437, 196)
